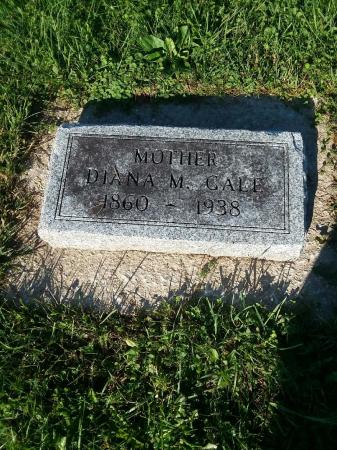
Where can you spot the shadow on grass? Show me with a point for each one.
(306, 416)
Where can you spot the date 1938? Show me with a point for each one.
(218, 207)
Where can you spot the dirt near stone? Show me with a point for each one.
(131, 279)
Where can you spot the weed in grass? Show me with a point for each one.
(169, 53)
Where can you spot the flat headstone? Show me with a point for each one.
(179, 190)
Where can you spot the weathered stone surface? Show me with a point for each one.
(170, 189)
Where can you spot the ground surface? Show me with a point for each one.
(132, 279)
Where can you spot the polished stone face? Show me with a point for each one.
(171, 189)
(222, 184)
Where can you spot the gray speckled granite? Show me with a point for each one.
(89, 164)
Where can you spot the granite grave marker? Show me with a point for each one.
(170, 189)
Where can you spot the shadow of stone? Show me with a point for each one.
(49, 283)
(263, 113)
(320, 285)
(252, 281)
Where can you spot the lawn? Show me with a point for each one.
(194, 375)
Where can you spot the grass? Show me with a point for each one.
(190, 376)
